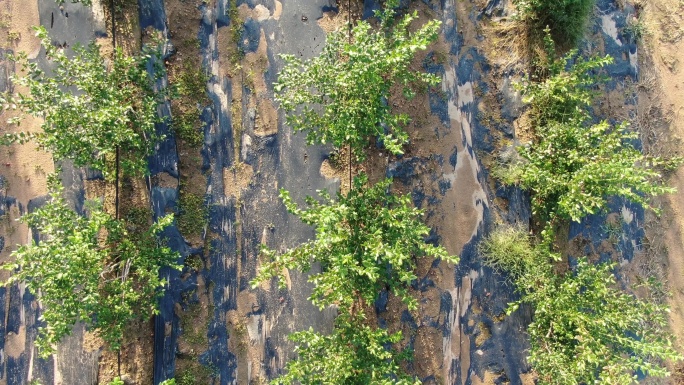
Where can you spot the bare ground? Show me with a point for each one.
(23, 168)
(661, 102)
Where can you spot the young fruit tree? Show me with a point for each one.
(573, 166)
(353, 354)
(90, 269)
(90, 105)
(587, 331)
(341, 96)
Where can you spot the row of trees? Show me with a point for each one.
(98, 269)
(367, 240)
(585, 329)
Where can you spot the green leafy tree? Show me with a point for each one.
(89, 269)
(353, 354)
(565, 90)
(91, 106)
(367, 241)
(340, 97)
(573, 169)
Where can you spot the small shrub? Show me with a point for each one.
(192, 213)
(194, 262)
(191, 95)
(235, 31)
(635, 29)
(186, 377)
(586, 331)
(508, 250)
(192, 82)
(188, 126)
(137, 219)
(84, 2)
(567, 19)
(509, 165)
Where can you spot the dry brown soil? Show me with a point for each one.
(661, 106)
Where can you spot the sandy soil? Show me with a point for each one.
(24, 167)
(661, 104)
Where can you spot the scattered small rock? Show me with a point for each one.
(127, 379)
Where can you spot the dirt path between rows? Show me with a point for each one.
(661, 102)
(24, 167)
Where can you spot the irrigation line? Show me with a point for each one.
(117, 162)
(118, 152)
(349, 21)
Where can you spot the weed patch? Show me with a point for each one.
(192, 213)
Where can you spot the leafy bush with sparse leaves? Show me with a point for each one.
(584, 329)
(341, 96)
(91, 106)
(89, 269)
